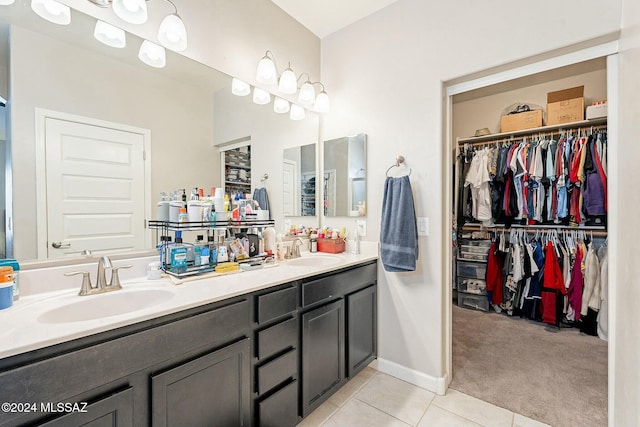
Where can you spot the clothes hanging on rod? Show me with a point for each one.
(537, 180)
(553, 277)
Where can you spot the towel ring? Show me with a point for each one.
(399, 161)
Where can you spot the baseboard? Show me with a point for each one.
(436, 385)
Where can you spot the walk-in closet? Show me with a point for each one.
(529, 315)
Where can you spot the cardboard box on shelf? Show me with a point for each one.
(565, 106)
(526, 120)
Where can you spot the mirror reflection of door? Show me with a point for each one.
(345, 164)
(95, 187)
(289, 179)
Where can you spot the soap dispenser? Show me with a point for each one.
(163, 207)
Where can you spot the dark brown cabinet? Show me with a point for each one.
(322, 354)
(361, 329)
(115, 410)
(212, 390)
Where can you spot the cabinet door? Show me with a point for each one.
(322, 354)
(361, 329)
(113, 411)
(213, 390)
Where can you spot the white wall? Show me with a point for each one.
(47, 73)
(385, 73)
(623, 260)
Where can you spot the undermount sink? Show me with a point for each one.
(106, 305)
(314, 261)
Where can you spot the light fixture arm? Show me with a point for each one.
(272, 58)
(174, 8)
(308, 77)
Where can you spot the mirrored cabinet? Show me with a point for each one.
(299, 187)
(345, 173)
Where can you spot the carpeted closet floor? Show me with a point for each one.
(555, 376)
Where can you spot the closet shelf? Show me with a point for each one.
(505, 135)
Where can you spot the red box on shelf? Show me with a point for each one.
(331, 246)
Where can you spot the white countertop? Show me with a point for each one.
(22, 331)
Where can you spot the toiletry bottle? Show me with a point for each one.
(279, 249)
(13, 263)
(163, 207)
(313, 243)
(178, 257)
(355, 240)
(182, 216)
(204, 256)
(197, 250)
(213, 251)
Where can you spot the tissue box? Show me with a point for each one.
(332, 246)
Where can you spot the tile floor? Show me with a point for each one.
(374, 399)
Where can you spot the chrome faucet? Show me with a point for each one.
(101, 286)
(295, 248)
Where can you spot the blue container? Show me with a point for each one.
(13, 263)
(6, 295)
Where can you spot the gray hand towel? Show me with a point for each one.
(398, 228)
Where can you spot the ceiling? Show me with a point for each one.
(324, 17)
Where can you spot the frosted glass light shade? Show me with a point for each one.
(172, 33)
(266, 72)
(240, 88)
(307, 95)
(152, 54)
(109, 35)
(296, 113)
(261, 97)
(288, 82)
(6, 2)
(52, 11)
(131, 11)
(281, 106)
(322, 104)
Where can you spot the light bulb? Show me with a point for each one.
(296, 113)
(152, 54)
(280, 105)
(266, 72)
(172, 33)
(288, 82)
(260, 96)
(131, 11)
(109, 35)
(307, 94)
(52, 11)
(239, 87)
(322, 104)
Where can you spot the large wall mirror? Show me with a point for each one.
(345, 176)
(299, 181)
(163, 124)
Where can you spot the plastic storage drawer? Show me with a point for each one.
(472, 286)
(473, 301)
(473, 270)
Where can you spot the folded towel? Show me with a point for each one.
(261, 196)
(398, 228)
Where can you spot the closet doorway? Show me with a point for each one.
(558, 376)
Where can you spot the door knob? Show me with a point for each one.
(60, 245)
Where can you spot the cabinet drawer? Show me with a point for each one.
(277, 304)
(277, 338)
(278, 371)
(474, 301)
(338, 284)
(472, 286)
(477, 270)
(281, 409)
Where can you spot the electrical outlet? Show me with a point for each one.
(423, 226)
(362, 227)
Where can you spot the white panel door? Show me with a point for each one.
(95, 189)
(289, 179)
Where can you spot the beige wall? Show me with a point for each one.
(485, 111)
(50, 74)
(386, 73)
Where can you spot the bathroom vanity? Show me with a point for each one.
(265, 348)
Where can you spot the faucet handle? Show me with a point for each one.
(86, 287)
(115, 278)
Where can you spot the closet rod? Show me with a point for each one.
(515, 139)
(532, 229)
